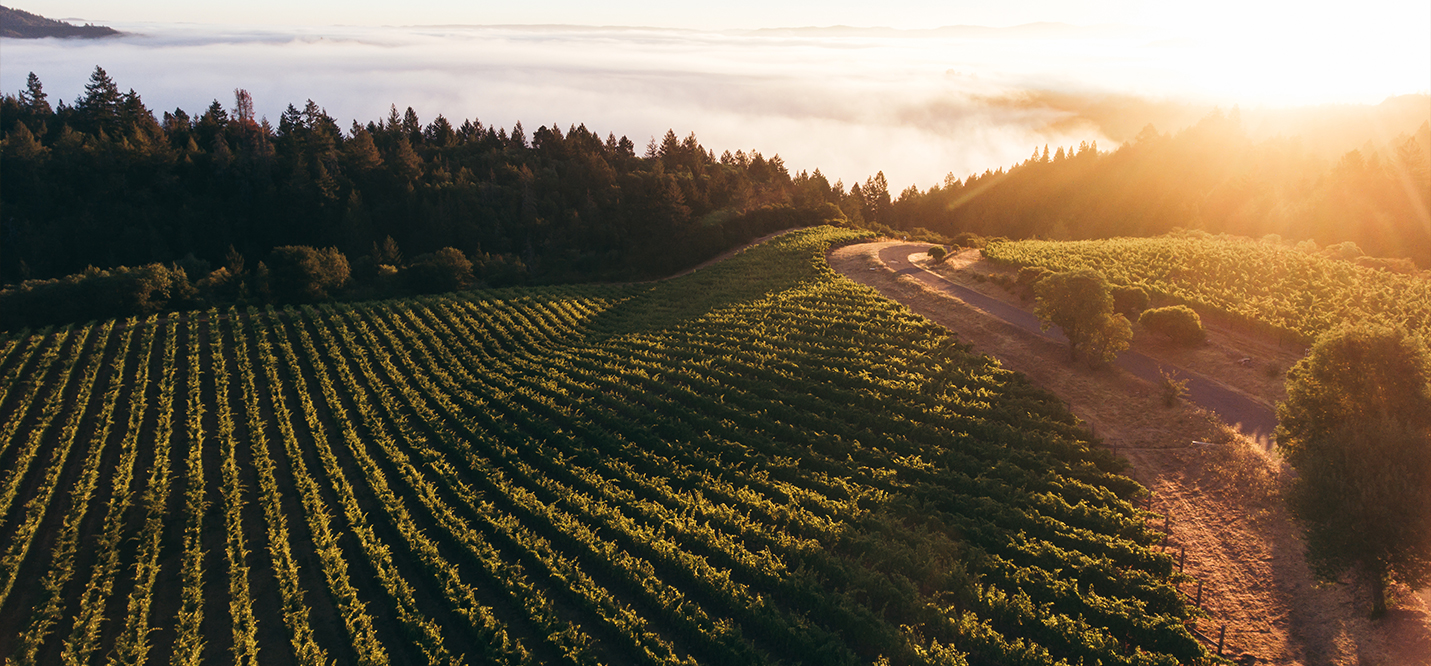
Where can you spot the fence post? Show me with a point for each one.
(1221, 634)
(1182, 558)
(1199, 593)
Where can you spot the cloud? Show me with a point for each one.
(915, 104)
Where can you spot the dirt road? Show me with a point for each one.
(1243, 412)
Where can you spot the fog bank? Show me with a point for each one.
(915, 104)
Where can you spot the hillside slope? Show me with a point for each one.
(759, 462)
(20, 24)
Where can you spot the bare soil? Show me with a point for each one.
(1222, 498)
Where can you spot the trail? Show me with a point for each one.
(1249, 416)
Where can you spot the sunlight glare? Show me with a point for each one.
(1275, 53)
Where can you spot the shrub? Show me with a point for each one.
(96, 294)
(1030, 275)
(1178, 322)
(938, 254)
(969, 239)
(499, 270)
(1402, 266)
(1129, 300)
(444, 270)
(299, 273)
(1173, 389)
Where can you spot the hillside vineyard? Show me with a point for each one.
(1262, 285)
(760, 462)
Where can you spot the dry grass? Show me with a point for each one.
(1242, 469)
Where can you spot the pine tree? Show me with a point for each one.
(100, 106)
(34, 99)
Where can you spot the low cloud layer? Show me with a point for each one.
(915, 104)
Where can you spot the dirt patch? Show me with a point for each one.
(1221, 499)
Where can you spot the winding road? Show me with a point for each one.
(1247, 415)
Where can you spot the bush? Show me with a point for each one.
(938, 254)
(1402, 266)
(299, 273)
(1178, 322)
(499, 270)
(96, 294)
(969, 239)
(1172, 388)
(444, 270)
(1129, 300)
(1030, 275)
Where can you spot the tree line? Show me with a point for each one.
(103, 196)
(110, 210)
(1210, 176)
(105, 182)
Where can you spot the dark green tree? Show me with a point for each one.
(1356, 426)
(1080, 303)
(387, 252)
(34, 99)
(299, 273)
(444, 270)
(102, 103)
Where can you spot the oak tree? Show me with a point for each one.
(1080, 303)
(1356, 426)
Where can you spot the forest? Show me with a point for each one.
(104, 182)
(107, 209)
(1210, 177)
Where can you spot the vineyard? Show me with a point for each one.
(1277, 289)
(761, 462)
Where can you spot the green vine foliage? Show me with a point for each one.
(760, 462)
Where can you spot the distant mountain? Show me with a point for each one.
(18, 24)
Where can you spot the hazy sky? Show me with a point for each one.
(656, 13)
(1390, 17)
(1362, 25)
(915, 104)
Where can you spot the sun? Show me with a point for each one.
(1271, 53)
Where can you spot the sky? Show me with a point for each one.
(1409, 17)
(914, 102)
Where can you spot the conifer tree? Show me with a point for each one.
(100, 105)
(34, 99)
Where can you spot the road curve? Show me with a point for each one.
(1247, 415)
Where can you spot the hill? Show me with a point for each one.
(20, 24)
(757, 462)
